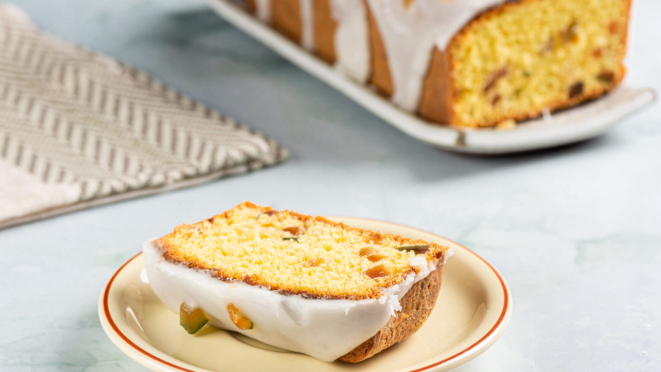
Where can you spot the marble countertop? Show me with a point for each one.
(576, 231)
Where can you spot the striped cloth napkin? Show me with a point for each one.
(78, 129)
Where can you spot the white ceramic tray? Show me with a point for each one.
(580, 123)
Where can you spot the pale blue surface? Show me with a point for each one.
(575, 231)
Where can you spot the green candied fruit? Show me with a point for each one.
(417, 249)
(191, 319)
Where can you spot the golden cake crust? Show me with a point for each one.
(417, 304)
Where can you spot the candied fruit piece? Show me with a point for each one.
(366, 251)
(606, 76)
(371, 254)
(294, 230)
(239, 321)
(192, 319)
(613, 27)
(376, 257)
(494, 78)
(576, 89)
(376, 238)
(314, 262)
(570, 33)
(597, 52)
(417, 249)
(377, 271)
(270, 212)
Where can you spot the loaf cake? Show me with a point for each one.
(466, 63)
(300, 283)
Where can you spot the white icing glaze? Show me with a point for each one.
(546, 115)
(263, 10)
(409, 36)
(410, 33)
(351, 39)
(307, 24)
(324, 329)
(447, 254)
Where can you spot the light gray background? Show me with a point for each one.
(575, 231)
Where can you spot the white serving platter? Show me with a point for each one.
(580, 123)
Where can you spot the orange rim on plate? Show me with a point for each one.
(494, 328)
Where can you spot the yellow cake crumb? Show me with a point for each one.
(294, 253)
(518, 59)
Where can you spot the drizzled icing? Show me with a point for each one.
(351, 38)
(322, 328)
(409, 33)
(307, 25)
(263, 10)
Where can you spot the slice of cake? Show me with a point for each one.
(297, 282)
(467, 63)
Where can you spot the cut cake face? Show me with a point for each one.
(297, 254)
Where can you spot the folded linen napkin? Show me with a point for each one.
(78, 129)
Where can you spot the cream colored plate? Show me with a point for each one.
(472, 311)
(576, 124)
